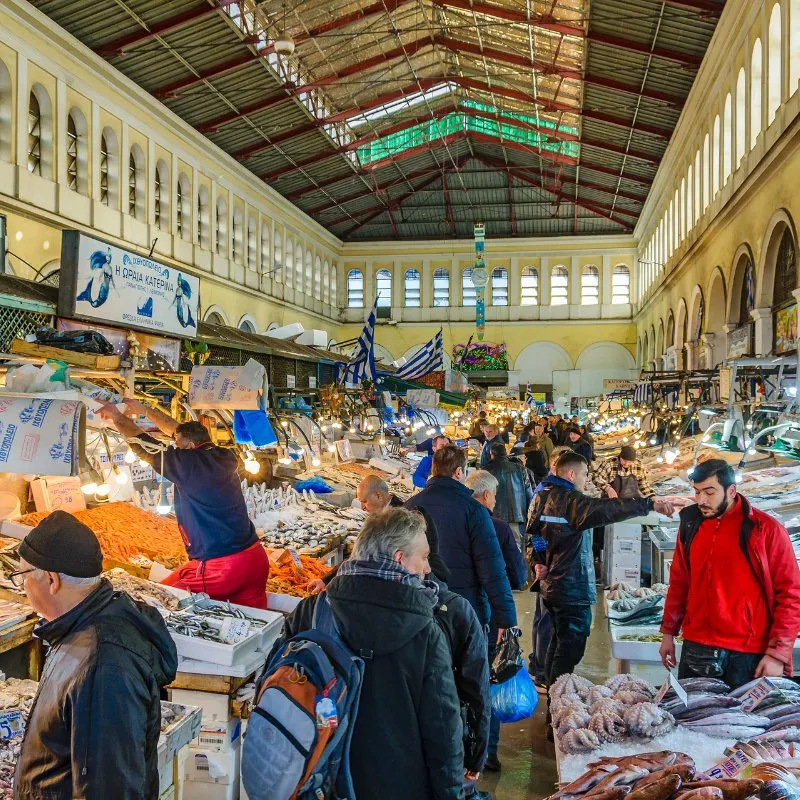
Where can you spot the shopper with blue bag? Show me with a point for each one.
(514, 696)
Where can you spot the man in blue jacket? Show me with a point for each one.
(564, 517)
(423, 471)
(492, 434)
(467, 540)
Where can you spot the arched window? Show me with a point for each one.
(289, 262)
(221, 227)
(136, 182)
(740, 116)
(559, 286)
(590, 286)
(183, 193)
(727, 132)
(468, 293)
(109, 168)
(34, 135)
(334, 287)
(529, 287)
(794, 45)
(355, 289)
(6, 123)
(383, 286)
(247, 326)
(326, 283)
(715, 165)
(266, 261)
(499, 287)
(309, 274)
(77, 153)
(318, 278)
(441, 288)
(755, 93)
(689, 196)
(746, 301)
(298, 267)
(706, 170)
(774, 64)
(620, 285)
(277, 258)
(203, 222)
(161, 197)
(785, 272)
(237, 235)
(252, 252)
(412, 286)
(682, 212)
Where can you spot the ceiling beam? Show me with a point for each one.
(639, 127)
(674, 100)
(545, 21)
(615, 173)
(622, 43)
(245, 111)
(244, 59)
(706, 8)
(121, 45)
(619, 150)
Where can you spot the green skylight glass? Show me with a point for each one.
(532, 132)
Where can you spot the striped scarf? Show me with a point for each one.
(386, 569)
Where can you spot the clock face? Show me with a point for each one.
(479, 277)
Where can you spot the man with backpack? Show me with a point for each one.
(734, 586)
(393, 733)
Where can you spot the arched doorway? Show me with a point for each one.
(741, 302)
(714, 338)
(660, 339)
(784, 303)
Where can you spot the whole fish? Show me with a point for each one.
(615, 793)
(782, 735)
(786, 721)
(779, 790)
(705, 793)
(695, 715)
(685, 771)
(732, 732)
(713, 685)
(731, 718)
(731, 788)
(652, 762)
(585, 782)
(695, 701)
(780, 710)
(660, 790)
(779, 683)
(624, 776)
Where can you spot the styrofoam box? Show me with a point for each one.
(235, 670)
(167, 775)
(219, 736)
(216, 705)
(626, 546)
(631, 575)
(637, 651)
(196, 790)
(284, 603)
(212, 766)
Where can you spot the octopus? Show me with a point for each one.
(597, 693)
(568, 684)
(647, 720)
(581, 740)
(560, 714)
(607, 705)
(608, 726)
(624, 604)
(631, 697)
(618, 681)
(572, 721)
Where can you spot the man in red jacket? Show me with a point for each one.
(734, 586)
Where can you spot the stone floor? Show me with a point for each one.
(528, 759)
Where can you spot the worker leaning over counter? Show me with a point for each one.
(226, 559)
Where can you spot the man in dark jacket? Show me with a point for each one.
(492, 434)
(578, 444)
(407, 739)
(563, 516)
(94, 726)
(514, 491)
(423, 470)
(734, 586)
(467, 540)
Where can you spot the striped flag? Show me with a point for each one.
(642, 393)
(428, 359)
(362, 362)
(529, 399)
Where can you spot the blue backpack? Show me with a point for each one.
(297, 745)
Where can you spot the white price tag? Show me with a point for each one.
(672, 683)
(234, 630)
(11, 723)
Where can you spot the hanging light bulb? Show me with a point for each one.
(89, 488)
(660, 460)
(284, 423)
(331, 448)
(324, 428)
(381, 441)
(337, 425)
(130, 456)
(251, 465)
(316, 462)
(163, 506)
(670, 456)
(119, 476)
(653, 441)
(738, 476)
(103, 490)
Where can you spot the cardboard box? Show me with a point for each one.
(219, 736)
(212, 766)
(216, 706)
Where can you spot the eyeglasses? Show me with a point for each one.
(18, 578)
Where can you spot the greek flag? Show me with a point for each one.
(362, 363)
(642, 393)
(529, 400)
(428, 359)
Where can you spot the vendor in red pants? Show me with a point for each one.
(226, 559)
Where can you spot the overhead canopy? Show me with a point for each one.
(417, 118)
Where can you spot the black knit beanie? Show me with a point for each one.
(60, 543)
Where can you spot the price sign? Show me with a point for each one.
(234, 630)
(12, 723)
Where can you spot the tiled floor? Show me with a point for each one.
(528, 759)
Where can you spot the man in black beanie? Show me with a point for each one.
(94, 727)
(623, 476)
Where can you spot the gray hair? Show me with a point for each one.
(73, 581)
(388, 532)
(481, 481)
(374, 483)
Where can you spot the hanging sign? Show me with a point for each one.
(480, 278)
(103, 282)
(740, 341)
(611, 384)
(234, 388)
(41, 437)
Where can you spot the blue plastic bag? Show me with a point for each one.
(315, 484)
(514, 699)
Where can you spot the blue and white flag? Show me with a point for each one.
(529, 399)
(428, 359)
(362, 363)
(642, 393)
